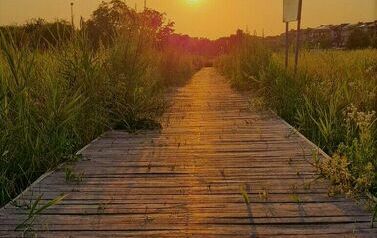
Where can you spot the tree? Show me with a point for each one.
(325, 42)
(358, 39)
(114, 17)
(107, 20)
(156, 25)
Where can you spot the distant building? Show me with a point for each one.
(329, 36)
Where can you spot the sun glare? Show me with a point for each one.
(193, 2)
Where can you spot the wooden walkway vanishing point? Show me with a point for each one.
(215, 170)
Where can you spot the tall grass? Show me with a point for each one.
(52, 102)
(332, 100)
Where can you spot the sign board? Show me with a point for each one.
(291, 10)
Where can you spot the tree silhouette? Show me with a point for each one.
(358, 39)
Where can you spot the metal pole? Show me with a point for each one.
(145, 5)
(286, 44)
(72, 20)
(298, 34)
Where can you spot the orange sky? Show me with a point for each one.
(209, 18)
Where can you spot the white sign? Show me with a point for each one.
(290, 10)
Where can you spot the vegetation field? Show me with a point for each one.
(60, 88)
(332, 100)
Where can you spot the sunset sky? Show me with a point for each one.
(207, 18)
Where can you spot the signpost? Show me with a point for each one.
(72, 19)
(292, 10)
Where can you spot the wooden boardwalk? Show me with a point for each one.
(193, 179)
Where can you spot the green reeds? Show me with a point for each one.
(55, 100)
(332, 100)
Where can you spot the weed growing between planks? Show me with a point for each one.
(34, 210)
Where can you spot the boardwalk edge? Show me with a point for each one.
(48, 173)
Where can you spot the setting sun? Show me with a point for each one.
(202, 18)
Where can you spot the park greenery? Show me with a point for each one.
(61, 87)
(332, 100)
